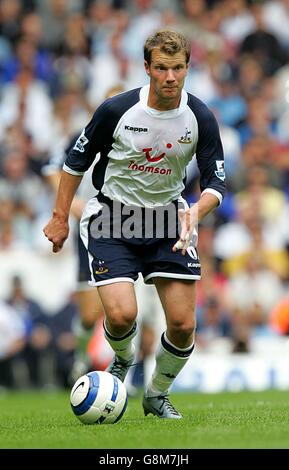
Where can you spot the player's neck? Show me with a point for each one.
(160, 104)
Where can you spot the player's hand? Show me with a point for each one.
(56, 231)
(188, 219)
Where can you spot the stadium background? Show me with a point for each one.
(58, 59)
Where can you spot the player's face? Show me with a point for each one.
(167, 75)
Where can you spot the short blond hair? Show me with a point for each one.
(169, 42)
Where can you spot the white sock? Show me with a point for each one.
(123, 346)
(170, 360)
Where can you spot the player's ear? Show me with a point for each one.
(147, 67)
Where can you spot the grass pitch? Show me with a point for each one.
(246, 420)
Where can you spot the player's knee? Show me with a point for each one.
(183, 330)
(121, 320)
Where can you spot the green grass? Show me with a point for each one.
(33, 420)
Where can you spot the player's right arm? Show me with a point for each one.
(77, 205)
(93, 139)
(57, 229)
(79, 158)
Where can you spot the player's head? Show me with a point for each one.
(169, 42)
(166, 59)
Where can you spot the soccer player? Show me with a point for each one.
(146, 138)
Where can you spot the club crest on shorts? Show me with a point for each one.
(101, 268)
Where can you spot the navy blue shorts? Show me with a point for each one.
(114, 257)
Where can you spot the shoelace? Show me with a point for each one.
(117, 367)
(167, 403)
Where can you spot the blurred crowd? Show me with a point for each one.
(58, 60)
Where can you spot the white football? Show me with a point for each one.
(98, 397)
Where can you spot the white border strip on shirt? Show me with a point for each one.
(215, 193)
(72, 172)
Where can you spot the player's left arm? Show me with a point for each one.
(210, 159)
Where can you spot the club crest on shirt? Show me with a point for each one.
(220, 173)
(101, 269)
(81, 142)
(185, 139)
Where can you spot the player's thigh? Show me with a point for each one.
(178, 298)
(119, 300)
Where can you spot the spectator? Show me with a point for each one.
(254, 291)
(64, 342)
(12, 341)
(36, 329)
(263, 45)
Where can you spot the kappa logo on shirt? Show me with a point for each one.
(136, 129)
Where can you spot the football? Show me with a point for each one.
(98, 397)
